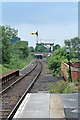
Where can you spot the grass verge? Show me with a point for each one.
(3, 69)
(64, 87)
(17, 64)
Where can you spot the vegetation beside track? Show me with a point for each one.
(3, 69)
(64, 87)
(15, 64)
(59, 55)
(54, 63)
(14, 53)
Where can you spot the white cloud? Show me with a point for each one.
(57, 32)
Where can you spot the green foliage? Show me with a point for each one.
(3, 69)
(5, 38)
(14, 52)
(57, 87)
(56, 47)
(59, 55)
(72, 42)
(74, 45)
(41, 48)
(70, 88)
(63, 87)
(12, 47)
(67, 43)
(54, 61)
(16, 63)
(22, 48)
(31, 49)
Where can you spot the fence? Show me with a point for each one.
(75, 70)
(8, 76)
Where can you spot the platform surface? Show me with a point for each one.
(71, 104)
(41, 105)
(47, 105)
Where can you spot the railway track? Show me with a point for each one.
(7, 82)
(13, 95)
(12, 82)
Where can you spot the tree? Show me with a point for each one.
(41, 48)
(15, 39)
(22, 47)
(75, 41)
(56, 47)
(31, 49)
(7, 34)
(54, 61)
(72, 42)
(11, 45)
(67, 43)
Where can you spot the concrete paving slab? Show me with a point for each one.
(70, 100)
(70, 114)
(37, 106)
(49, 106)
(56, 108)
(34, 114)
(70, 104)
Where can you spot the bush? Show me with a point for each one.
(15, 63)
(3, 69)
(54, 61)
(63, 87)
(57, 87)
(70, 88)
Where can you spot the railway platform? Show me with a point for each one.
(41, 105)
(49, 106)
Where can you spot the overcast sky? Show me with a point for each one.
(53, 20)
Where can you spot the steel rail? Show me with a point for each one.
(10, 117)
(18, 80)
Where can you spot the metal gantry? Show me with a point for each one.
(49, 44)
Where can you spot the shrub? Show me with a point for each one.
(54, 61)
(63, 87)
(70, 88)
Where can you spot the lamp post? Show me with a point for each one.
(68, 56)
